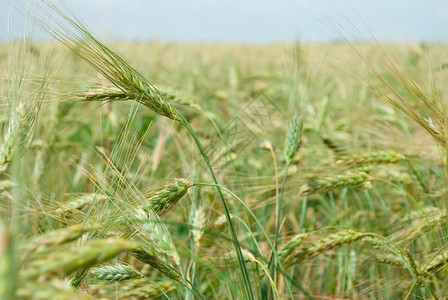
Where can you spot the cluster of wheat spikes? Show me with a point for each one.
(70, 31)
(340, 217)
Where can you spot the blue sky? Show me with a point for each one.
(257, 21)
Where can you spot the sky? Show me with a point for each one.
(256, 21)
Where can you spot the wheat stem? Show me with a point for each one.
(236, 243)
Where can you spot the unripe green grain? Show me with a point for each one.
(54, 238)
(324, 184)
(78, 203)
(303, 247)
(115, 273)
(381, 157)
(162, 199)
(152, 259)
(86, 256)
(294, 138)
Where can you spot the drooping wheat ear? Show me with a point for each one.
(390, 259)
(50, 289)
(324, 184)
(155, 261)
(139, 89)
(71, 32)
(303, 247)
(313, 248)
(162, 199)
(86, 256)
(291, 246)
(381, 157)
(115, 94)
(294, 138)
(387, 246)
(422, 219)
(78, 203)
(115, 273)
(393, 254)
(54, 238)
(7, 276)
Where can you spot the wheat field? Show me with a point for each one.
(220, 171)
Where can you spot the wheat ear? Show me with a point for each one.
(381, 157)
(86, 256)
(324, 184)
(162, 199)
(115, 273)
(54, 238)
